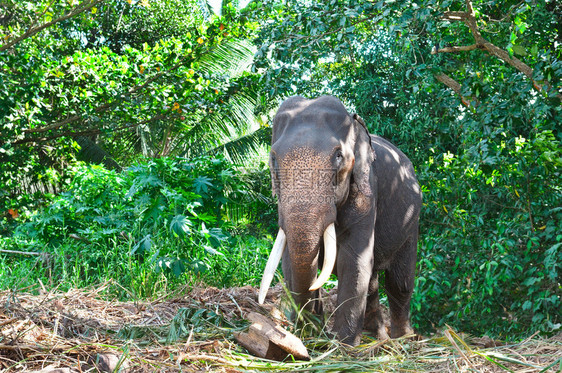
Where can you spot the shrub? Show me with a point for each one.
(491, 251)
(159, 223)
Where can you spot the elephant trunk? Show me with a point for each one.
(303, 254)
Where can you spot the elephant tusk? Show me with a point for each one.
(330, 252)
(272, 263)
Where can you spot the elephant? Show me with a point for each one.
(357, 196)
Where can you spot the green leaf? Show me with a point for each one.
(198, 266)
(143, 246)
(177, 267)
(180, 225)
(202, 184)
(519, 50)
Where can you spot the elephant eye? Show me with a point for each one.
(339, 157)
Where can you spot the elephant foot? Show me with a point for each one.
(380, 332)
(398, 330)
(349, 339)
(376, 324)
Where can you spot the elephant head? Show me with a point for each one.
(318, 152)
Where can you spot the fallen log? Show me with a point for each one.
(268, 340)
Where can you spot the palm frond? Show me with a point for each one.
(242, 150)
(236, 119)
(231, 58)
(204, 130)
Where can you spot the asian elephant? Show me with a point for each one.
(357, 196)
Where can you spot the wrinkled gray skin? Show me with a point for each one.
(326, 168)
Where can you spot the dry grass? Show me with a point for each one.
(191, 331)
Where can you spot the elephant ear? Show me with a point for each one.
(364, 157)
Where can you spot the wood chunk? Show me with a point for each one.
(268, 340)
(108, 362)
(55, 370)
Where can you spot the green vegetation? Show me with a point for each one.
(159, 224)
(133, 134)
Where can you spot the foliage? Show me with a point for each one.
(155, 225)
(491, 240)
(174, 86)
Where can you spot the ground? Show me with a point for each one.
(193, 330)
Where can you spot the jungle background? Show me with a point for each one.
(134, 137)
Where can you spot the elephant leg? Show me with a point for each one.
(354, 273)
(374, 317)
(399, 283)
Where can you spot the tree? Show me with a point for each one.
(121, 76)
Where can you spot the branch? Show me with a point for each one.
(34, 30)
(462, 48)
(455, 86)
(104, 107)
(455, 16)
(29, 253)
(98, 109)
(469, 19)
(88, 132)
(41, 15)
(303, 37)
(513, 61)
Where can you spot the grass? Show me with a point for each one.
(24, 263)
(192, 329)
